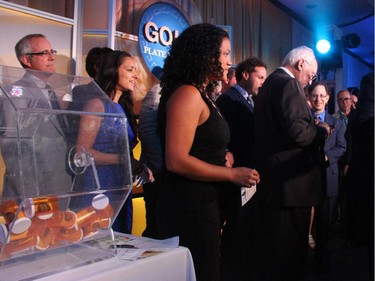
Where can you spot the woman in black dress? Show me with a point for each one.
(194, 137)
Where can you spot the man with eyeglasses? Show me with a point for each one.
(34, 51)
(44, 134)
(345, 103)
(334, 149)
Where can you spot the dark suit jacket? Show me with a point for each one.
(240, 117)
(334, 148)
(286, 144)
(359, 180)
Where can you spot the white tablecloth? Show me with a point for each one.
(174, 265)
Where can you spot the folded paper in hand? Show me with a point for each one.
(247, 193)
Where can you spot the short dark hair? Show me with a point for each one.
(342, 91)
(248, 65)
(317, 83)
(231, 72)
(94, 58)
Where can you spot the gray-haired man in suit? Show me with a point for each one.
(286, 151)
(30, 129)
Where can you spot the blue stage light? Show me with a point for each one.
(323, 46)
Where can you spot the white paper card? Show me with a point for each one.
(247, 193)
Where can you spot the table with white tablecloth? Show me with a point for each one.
(117, 257)
(173, 265)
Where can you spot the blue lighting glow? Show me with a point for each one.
(323, 46)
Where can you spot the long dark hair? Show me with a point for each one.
(108, 78)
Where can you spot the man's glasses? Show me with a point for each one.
(345, 99)
(314, 76)
(318, 96)
(44, 53)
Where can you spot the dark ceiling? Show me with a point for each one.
(347, 16)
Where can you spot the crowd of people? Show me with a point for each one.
(211, 132)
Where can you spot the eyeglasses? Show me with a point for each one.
(44, 53)
(319, 96)
(345, 99)
(314, 76)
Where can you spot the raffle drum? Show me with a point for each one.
(57, 202)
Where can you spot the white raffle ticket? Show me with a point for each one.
(247, 193)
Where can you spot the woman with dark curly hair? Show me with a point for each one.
(194, 137)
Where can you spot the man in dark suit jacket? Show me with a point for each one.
(237, 107)
(334, 149)
(286, 151)
(359, 180)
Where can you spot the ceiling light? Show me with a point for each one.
(323, 46)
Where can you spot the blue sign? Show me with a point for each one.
(160, 24)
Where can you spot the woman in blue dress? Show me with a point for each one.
(103, 138)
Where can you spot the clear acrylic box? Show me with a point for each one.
(59, 197)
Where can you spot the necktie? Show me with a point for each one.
(250, 101)
(53, 99)
(316, 120)
(345, 119)
(55, 105)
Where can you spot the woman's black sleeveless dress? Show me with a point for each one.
(189, 208)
